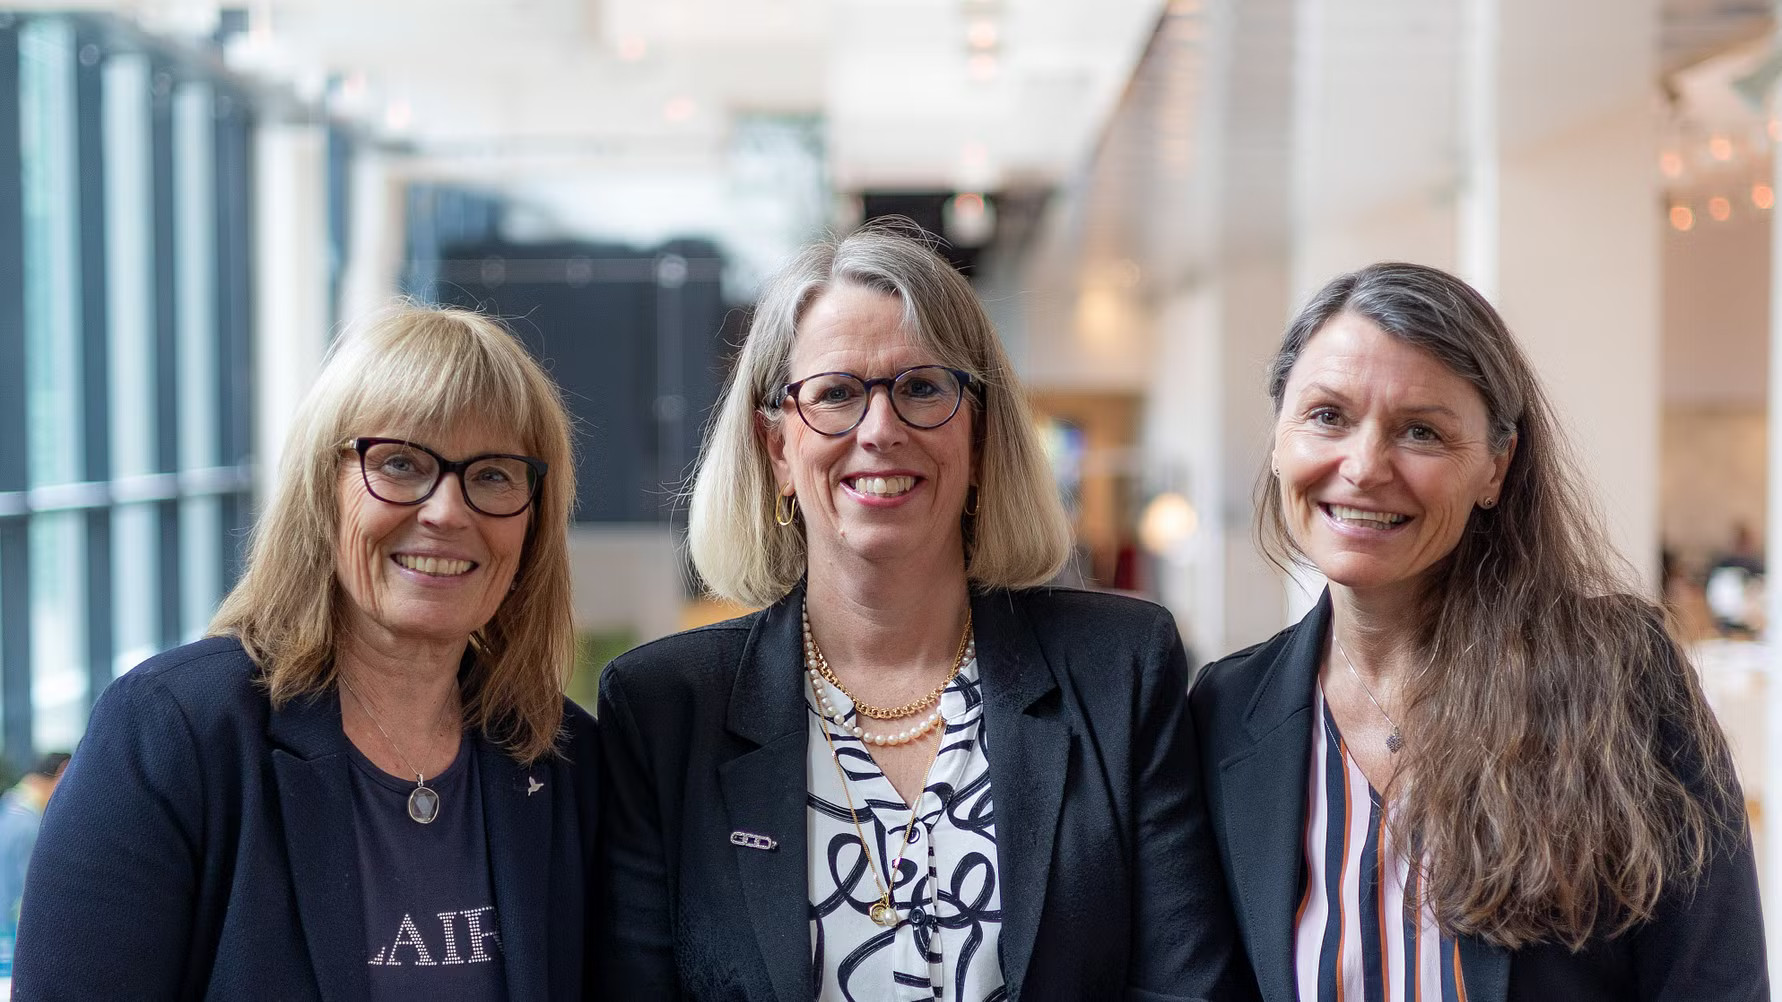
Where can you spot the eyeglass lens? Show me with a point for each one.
(925, 397)
(402, 474)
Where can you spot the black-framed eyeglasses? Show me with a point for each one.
(397, 471)
(922, 396)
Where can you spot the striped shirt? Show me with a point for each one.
(1353, 941)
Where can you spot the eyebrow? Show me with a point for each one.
(1340, 397)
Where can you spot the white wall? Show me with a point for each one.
(1579, 284)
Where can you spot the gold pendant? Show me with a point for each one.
(883, 913)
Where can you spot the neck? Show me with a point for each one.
(410, 692)
(887, 631)
(1376, 631)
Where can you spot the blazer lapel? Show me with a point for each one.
(517, 822)
(309, 764)
(1027, 741)
(1485, 970)
(764, 792)
(1266, 784)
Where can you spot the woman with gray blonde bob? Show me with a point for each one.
(1480, 769)
(367, 782)
(860, 792)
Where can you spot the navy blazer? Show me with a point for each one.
(1253, 713)
(201, 845)
(1109, 885)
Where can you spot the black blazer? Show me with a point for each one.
(1109, 884)
(1253, 713)
(201, 846)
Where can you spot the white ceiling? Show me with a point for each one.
(907, 99)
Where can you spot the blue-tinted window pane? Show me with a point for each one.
(129, 249)
(200, 563)
(135, 563)
(49, 176)
(58, 648)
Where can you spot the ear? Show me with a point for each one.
(1500, 465)
(772, 436)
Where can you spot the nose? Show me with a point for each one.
(880, 428)
(1366, 462)
(447, 509)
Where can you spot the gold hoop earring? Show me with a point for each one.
(784, 514)
(973, 500)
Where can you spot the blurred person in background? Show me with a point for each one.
(1480, 768)
(366, 784)
(911, 773)
(21, 815)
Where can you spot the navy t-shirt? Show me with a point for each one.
(429, 905)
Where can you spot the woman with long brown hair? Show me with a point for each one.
(1479, 769)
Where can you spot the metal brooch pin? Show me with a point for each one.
(750, 840)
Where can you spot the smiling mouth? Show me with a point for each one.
(1362, 518)
(436, 567)
(881, 487)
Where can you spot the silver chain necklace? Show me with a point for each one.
(423, 800)
(1396, 739)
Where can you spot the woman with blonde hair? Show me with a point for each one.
(1480, 769)
(366, 783)
(914, 774)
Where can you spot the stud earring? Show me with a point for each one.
(1488, 503)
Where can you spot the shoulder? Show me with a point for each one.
(681, 663)
(211, 677)
(1235, 676)
(1062, 612)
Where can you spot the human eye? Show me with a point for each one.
(1324, 416)
(398, 463)
(493, 476)
(920, 387)
(831, 390)
(1423, 434)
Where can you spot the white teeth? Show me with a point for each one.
(884, 486)
(1358, 515)
(440, 567)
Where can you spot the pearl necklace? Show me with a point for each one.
(815, 667)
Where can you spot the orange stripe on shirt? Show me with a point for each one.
(1459, 975)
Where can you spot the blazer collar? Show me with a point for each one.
(517, 825)
(767, 698)
(1265, 819)
(1290, 677)
(1027, 738)
(764, 792)
(310, 770)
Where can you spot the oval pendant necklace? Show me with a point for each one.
(423, 800)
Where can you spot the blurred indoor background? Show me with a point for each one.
(196, 196)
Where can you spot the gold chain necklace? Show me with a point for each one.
(884, 910)
(814, 657)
